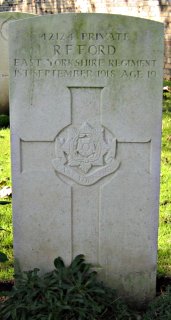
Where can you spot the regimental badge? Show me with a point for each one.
(85, 154)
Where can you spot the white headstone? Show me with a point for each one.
(5, 18)
(86, 94)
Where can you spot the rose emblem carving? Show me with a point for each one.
(86, 148)
(85, 154)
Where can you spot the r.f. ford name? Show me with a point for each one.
(84, 49)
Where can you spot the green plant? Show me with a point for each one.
(66, 293)
(160, 308)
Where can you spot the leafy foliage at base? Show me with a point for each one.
(68, 293)
(160, 308)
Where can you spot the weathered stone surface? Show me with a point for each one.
(86, 93)
(5, 17)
